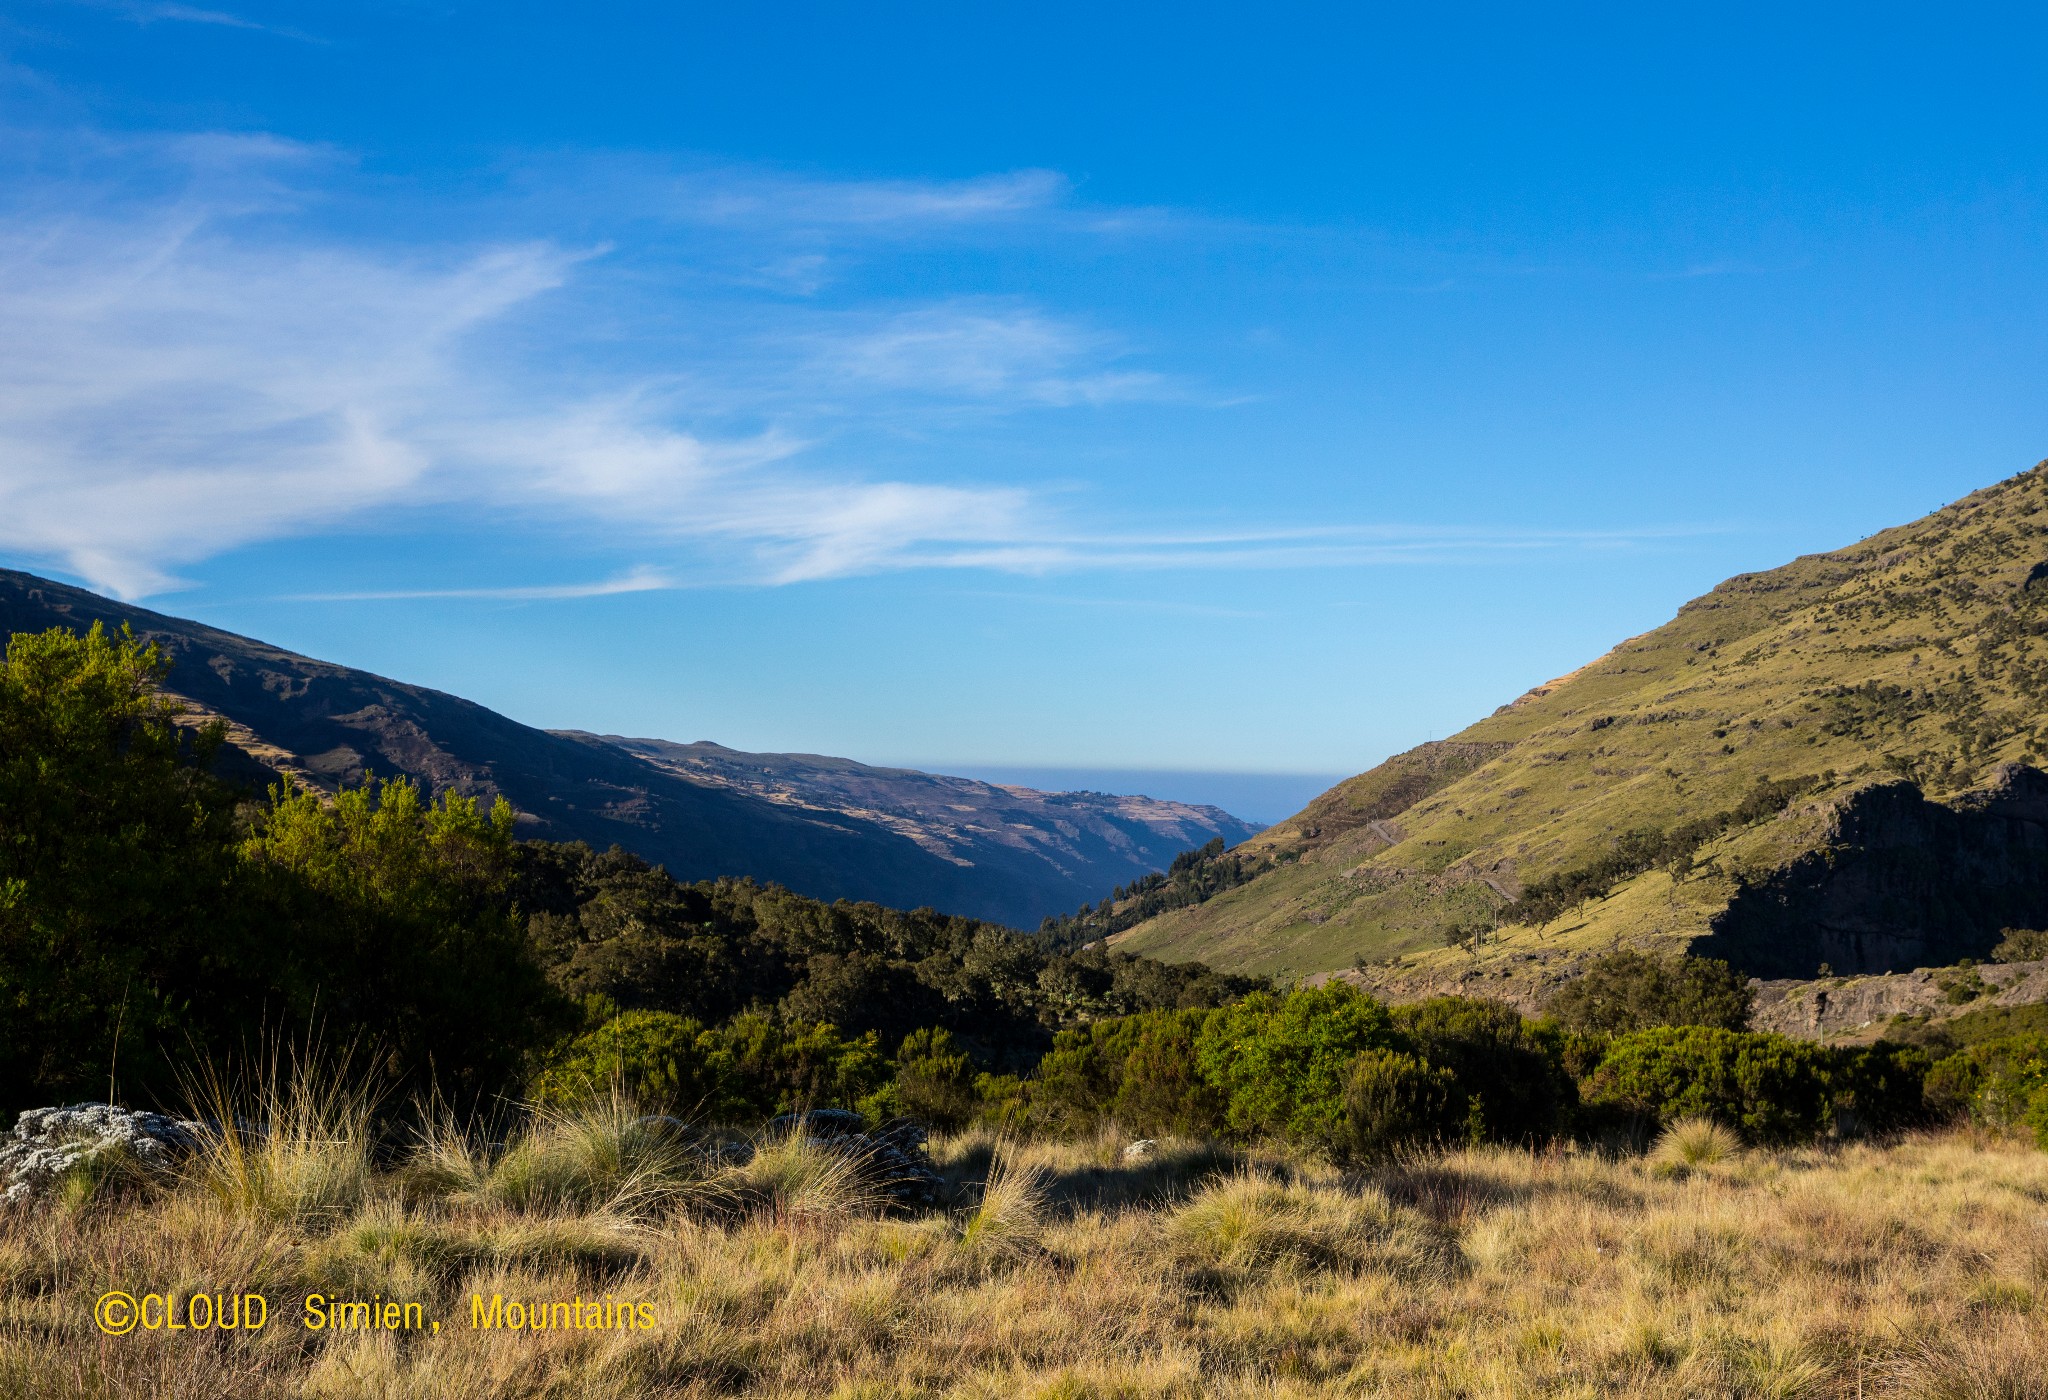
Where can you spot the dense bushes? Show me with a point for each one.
(1280, 1063)
(1332, 1068)
(1999, 1083)
(1326, 1066)
(1509, 1078)
(1773, 1089)
(1631, 991)
(747, 1070)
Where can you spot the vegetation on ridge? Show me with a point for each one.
(150, 914)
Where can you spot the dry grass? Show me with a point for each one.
(1060, 1271)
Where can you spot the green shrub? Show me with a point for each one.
(2021, 945)
(652, 1056)
(1951, 1084)
(1772, 1089)
(1507, 1075)
(1393, 1100)
(2036, 1116)
(1138, 1071)
(934, 1080)
(1630, 991)
(1281, 1063)
(1878, 1088)
(2003, 1084)
(747, 1070)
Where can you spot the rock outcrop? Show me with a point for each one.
(1900, 882)
(50, 1143)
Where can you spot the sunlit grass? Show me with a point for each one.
(1056, 1269)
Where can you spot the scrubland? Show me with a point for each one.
(1052, 1269)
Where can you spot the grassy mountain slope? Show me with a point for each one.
(328, 724)
(1892, 682)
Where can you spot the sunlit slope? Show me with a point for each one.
(1916, 655)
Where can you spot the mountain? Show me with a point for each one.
(824, 827)
(964, 821)
(1826, 766)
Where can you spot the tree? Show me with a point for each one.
(405, 928)
(1631, 991)
(116, 867)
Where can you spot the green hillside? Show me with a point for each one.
(1812, 764)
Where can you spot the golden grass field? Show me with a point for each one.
(1059, 1270)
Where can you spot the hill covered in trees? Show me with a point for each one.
(1828, 764)
(153, 915)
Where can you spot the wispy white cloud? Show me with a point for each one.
(186, 368)
(640, 580)
(756, 198)
(173, 384)
(986, 351)
(158, 11)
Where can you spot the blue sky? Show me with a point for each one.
(1262, 389)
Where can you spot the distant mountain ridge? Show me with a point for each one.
(1833, 763)
(962, 820)
(828, 828)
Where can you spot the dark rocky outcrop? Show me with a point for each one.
(1900, 882)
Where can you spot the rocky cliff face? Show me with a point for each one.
(1900, 882)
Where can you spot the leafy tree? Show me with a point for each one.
(1630, 991)
(2021, 945)
(116, 871)
(406, 929)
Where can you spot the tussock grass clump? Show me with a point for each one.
(296, 1145)
(1694, 1144)
(1255, 1222)
(792, 1175)
(1010, 1218)
(603, 1154)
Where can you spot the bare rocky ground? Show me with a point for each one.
(1853, 1008)
(1825, 1008)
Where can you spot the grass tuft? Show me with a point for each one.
(294, 1145)
(601, 1155)
(1694, 1144)
(1010, 1218)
